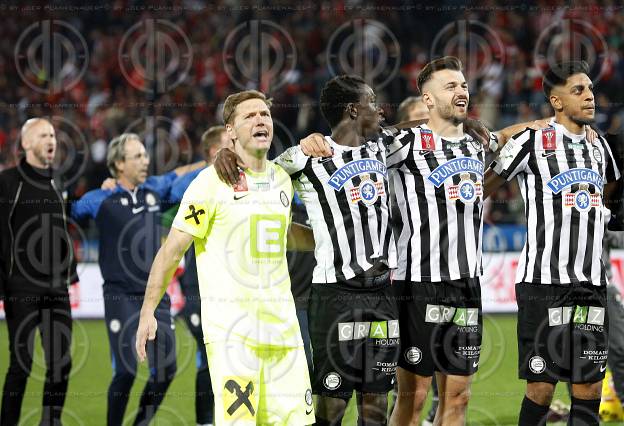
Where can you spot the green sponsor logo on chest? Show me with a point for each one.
(267, 233)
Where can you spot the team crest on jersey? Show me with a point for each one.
(574, 176)
(582, 199)
(476, 144)
(597, 154)
(241, 185)
(549, 139)
(150, 200)
(368, 191)
(467, 190)
(427, 141)
(364, 166)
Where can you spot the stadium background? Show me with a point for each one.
(163, 69)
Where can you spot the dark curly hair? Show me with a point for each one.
(558, 74)
(337, 93)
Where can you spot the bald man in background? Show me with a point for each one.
(37, 265)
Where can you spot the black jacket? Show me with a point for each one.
(36, 249)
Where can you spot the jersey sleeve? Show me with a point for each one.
(293, 160)
(514, 156)
(88, 205)
(612, 172)
(198, 205)
(398, 147)
(161, 184)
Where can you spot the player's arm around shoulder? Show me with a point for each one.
(511, 160)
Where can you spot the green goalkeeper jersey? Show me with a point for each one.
(240, 244)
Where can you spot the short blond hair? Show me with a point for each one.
(211, 137)
(232, 101)
(406, 106)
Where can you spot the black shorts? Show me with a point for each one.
(355, 339)
(562, 332)
(441, 326)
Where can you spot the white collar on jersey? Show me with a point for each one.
(561, 128)
(342, 148)
(437, 137)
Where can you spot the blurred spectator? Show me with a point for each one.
(308, 42)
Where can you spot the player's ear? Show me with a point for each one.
(352, 111)
(119, 166)
(555, 102)
(230, 131)
(26, 144)
(427, 99)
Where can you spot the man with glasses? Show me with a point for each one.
(129, 224)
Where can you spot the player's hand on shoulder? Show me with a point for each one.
(146, 331)
(591, 134)
(542, 123)
(478, 131)
(315, 146)
(226, 165)
(109, 184)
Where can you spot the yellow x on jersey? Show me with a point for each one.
(240, 247)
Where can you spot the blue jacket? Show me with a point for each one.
(178, 187)
(130, 230)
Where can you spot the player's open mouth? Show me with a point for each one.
(262, 135)
(463, 103)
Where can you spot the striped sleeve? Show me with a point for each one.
(399, 147)
(514, 156)
(293, 160)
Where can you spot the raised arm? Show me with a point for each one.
(164, 266)
(182, 170)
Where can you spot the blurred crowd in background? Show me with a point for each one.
(162, 70)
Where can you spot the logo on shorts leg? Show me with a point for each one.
(537, 365)
(236, 401)
(115, 326)
(308, 401)
(413, 355)
(332, 381)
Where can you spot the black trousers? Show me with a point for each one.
(51, 314)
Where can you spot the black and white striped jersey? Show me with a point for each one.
(346, 197)
(561, 177)
(438, 188)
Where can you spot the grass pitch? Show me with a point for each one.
(496, 390)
